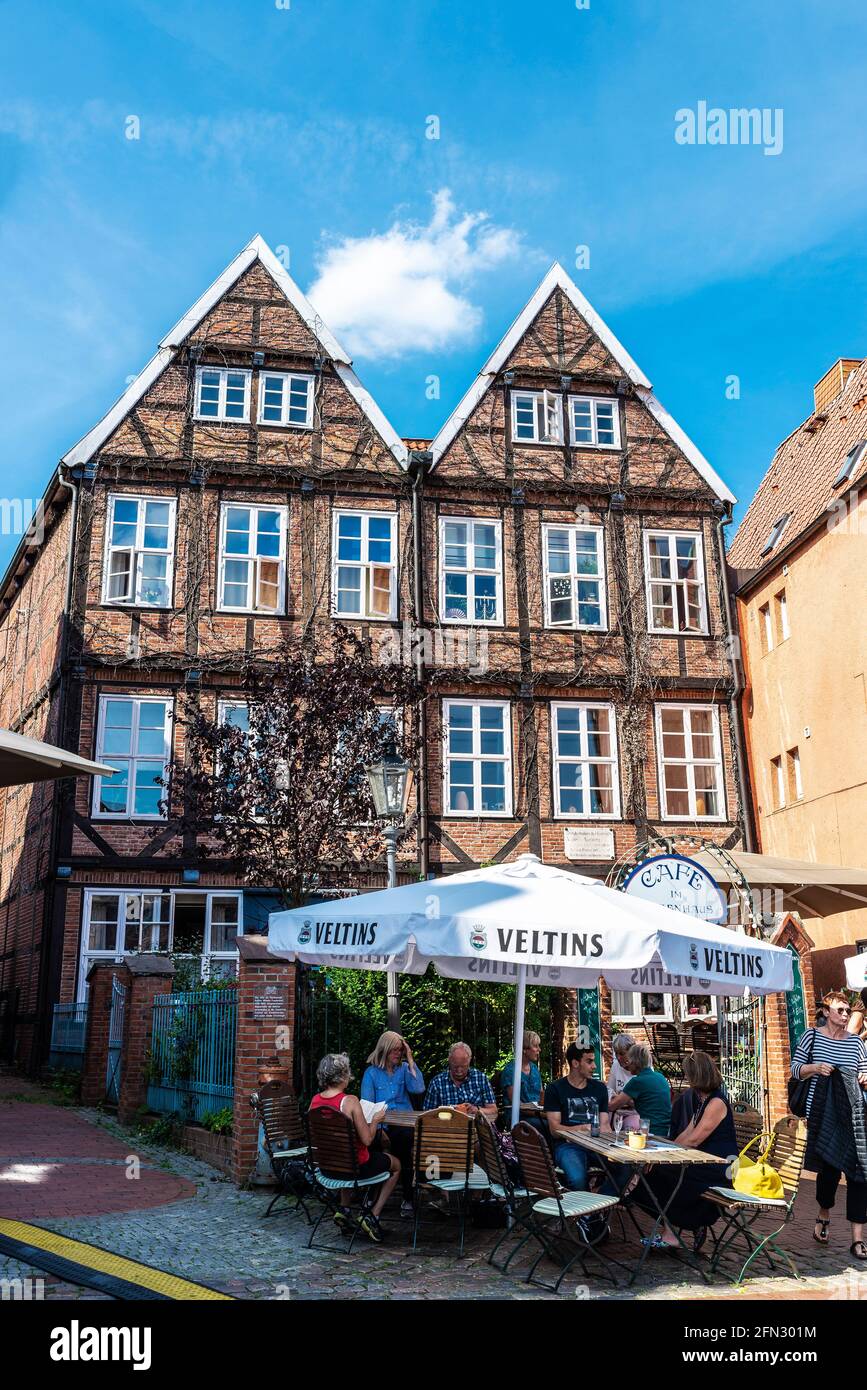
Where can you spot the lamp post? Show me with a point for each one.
(390, 783)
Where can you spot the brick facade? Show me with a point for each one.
(160, 449)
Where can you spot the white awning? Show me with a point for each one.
(24, 760)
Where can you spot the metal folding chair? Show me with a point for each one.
(334, 1161)
(565, 1213)
(443, 1162)
(741, 1212)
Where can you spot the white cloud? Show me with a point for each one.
(405, 289)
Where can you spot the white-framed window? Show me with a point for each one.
(133, 735)
(850, 463)
(584, 758)
(285, 398)
(537, 417)
(776, 533)
(252, 565)
(793, 769)
(364, 567)
(574, 561)
(630, 1006)
(139, 549)
(471, 570)
(778, 783)
(690, 762)
(781, 609)
(203, 926)
(594, 421)
(223, 393)
(674, 568)
(767, 628)
(478, 758)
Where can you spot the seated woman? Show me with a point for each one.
(712, 1130)
(392, 1076)
(618, 1075)
(333, 1075)
(646, 1090)
(531, 1080)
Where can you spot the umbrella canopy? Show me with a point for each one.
(566, 930)
(813, 890)
(856, 971)
(24, 760)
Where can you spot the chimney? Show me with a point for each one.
(833, 382)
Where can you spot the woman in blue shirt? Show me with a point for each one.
(393, 1076)
(531, 1080)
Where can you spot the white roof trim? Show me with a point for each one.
(557, 278)
(256, 249)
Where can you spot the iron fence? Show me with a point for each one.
(192, 1061)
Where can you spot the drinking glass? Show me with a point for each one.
(618, 1124)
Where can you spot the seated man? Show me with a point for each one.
(572, 1103)
(461, 1084)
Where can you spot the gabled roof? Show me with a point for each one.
(557, 278)
(255, 250)
(800, 480)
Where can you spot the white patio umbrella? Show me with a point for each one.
(856, 971)
(24, 760)
(526, 920)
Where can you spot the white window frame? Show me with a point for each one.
(284, 422)
(766, 619)
(471, 570)
(585, 761)
(87, 957)
(132, 758)
(138, 550)
(547, 410)
(793, 762)
(850, 463)
(574, 577)
(254, 560)
(366, 565)
(776, 533)
(221, 417)
(477, 758)
(636, 1016)
(657, 533)
(781, 609)
(594, 402)
(689, 762)
(778, 783)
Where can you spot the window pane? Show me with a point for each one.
(268, 533)
(298, 400)
(224, 923)
(272, 398)
(525, 417)
(485, 544)
(237, 531)
(456, 596)
(605, 422)
(113, 791)
(348, 589)
(120, 574)
(380, 596)
(149, 790)
(103, 923)
(209, 395)
(268, 586)
(558, 552)
(686, 558)
(455, 544)
(349, 538)
(582, 422)
(154, 587)
(660, 564)
(493, 787)
(235, 395)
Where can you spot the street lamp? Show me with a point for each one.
(390, 784)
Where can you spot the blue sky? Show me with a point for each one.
(309, 124)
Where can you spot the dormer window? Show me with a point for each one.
(286, 398)
(223, 393)
(537, 417)
(777, 530)
(850, 463)
(594, 421)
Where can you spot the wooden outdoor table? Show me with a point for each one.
(659, 1153)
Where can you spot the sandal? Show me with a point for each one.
(859, 1250)
(822, 1227)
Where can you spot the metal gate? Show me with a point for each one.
(741, 1049)
(115, 1040)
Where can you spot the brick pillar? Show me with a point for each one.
(777, 1042)
(266, 1024)
(145, 976)
(93, 1070)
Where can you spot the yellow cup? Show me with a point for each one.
(636, 1141)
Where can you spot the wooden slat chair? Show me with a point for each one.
(517, 1200)
(334, 1162)
(705, 1038)
(748, 1123)
(276, 1108)
(559, 1214)
(443, 1163)
(667, 1051)
(741, 1212)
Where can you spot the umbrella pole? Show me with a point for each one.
(520, 1005)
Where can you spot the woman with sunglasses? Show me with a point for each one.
(820, 1052)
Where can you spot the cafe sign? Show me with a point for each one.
(672, 881)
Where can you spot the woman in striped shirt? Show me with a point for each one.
(820, 1052)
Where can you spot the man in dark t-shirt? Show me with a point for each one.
(573, 1101)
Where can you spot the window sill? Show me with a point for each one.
(280, 425)
(471, 622)
(477, 815)
(217, 420)
(363, 618)
(576, 627)
(667, 632)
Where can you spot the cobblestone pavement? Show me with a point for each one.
(217, 1236)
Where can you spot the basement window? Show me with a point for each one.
(850, 463)
(223, 393)
(537, 417)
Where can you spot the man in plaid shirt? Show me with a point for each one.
(461, 1084)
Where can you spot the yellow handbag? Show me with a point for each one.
(756, 1178)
